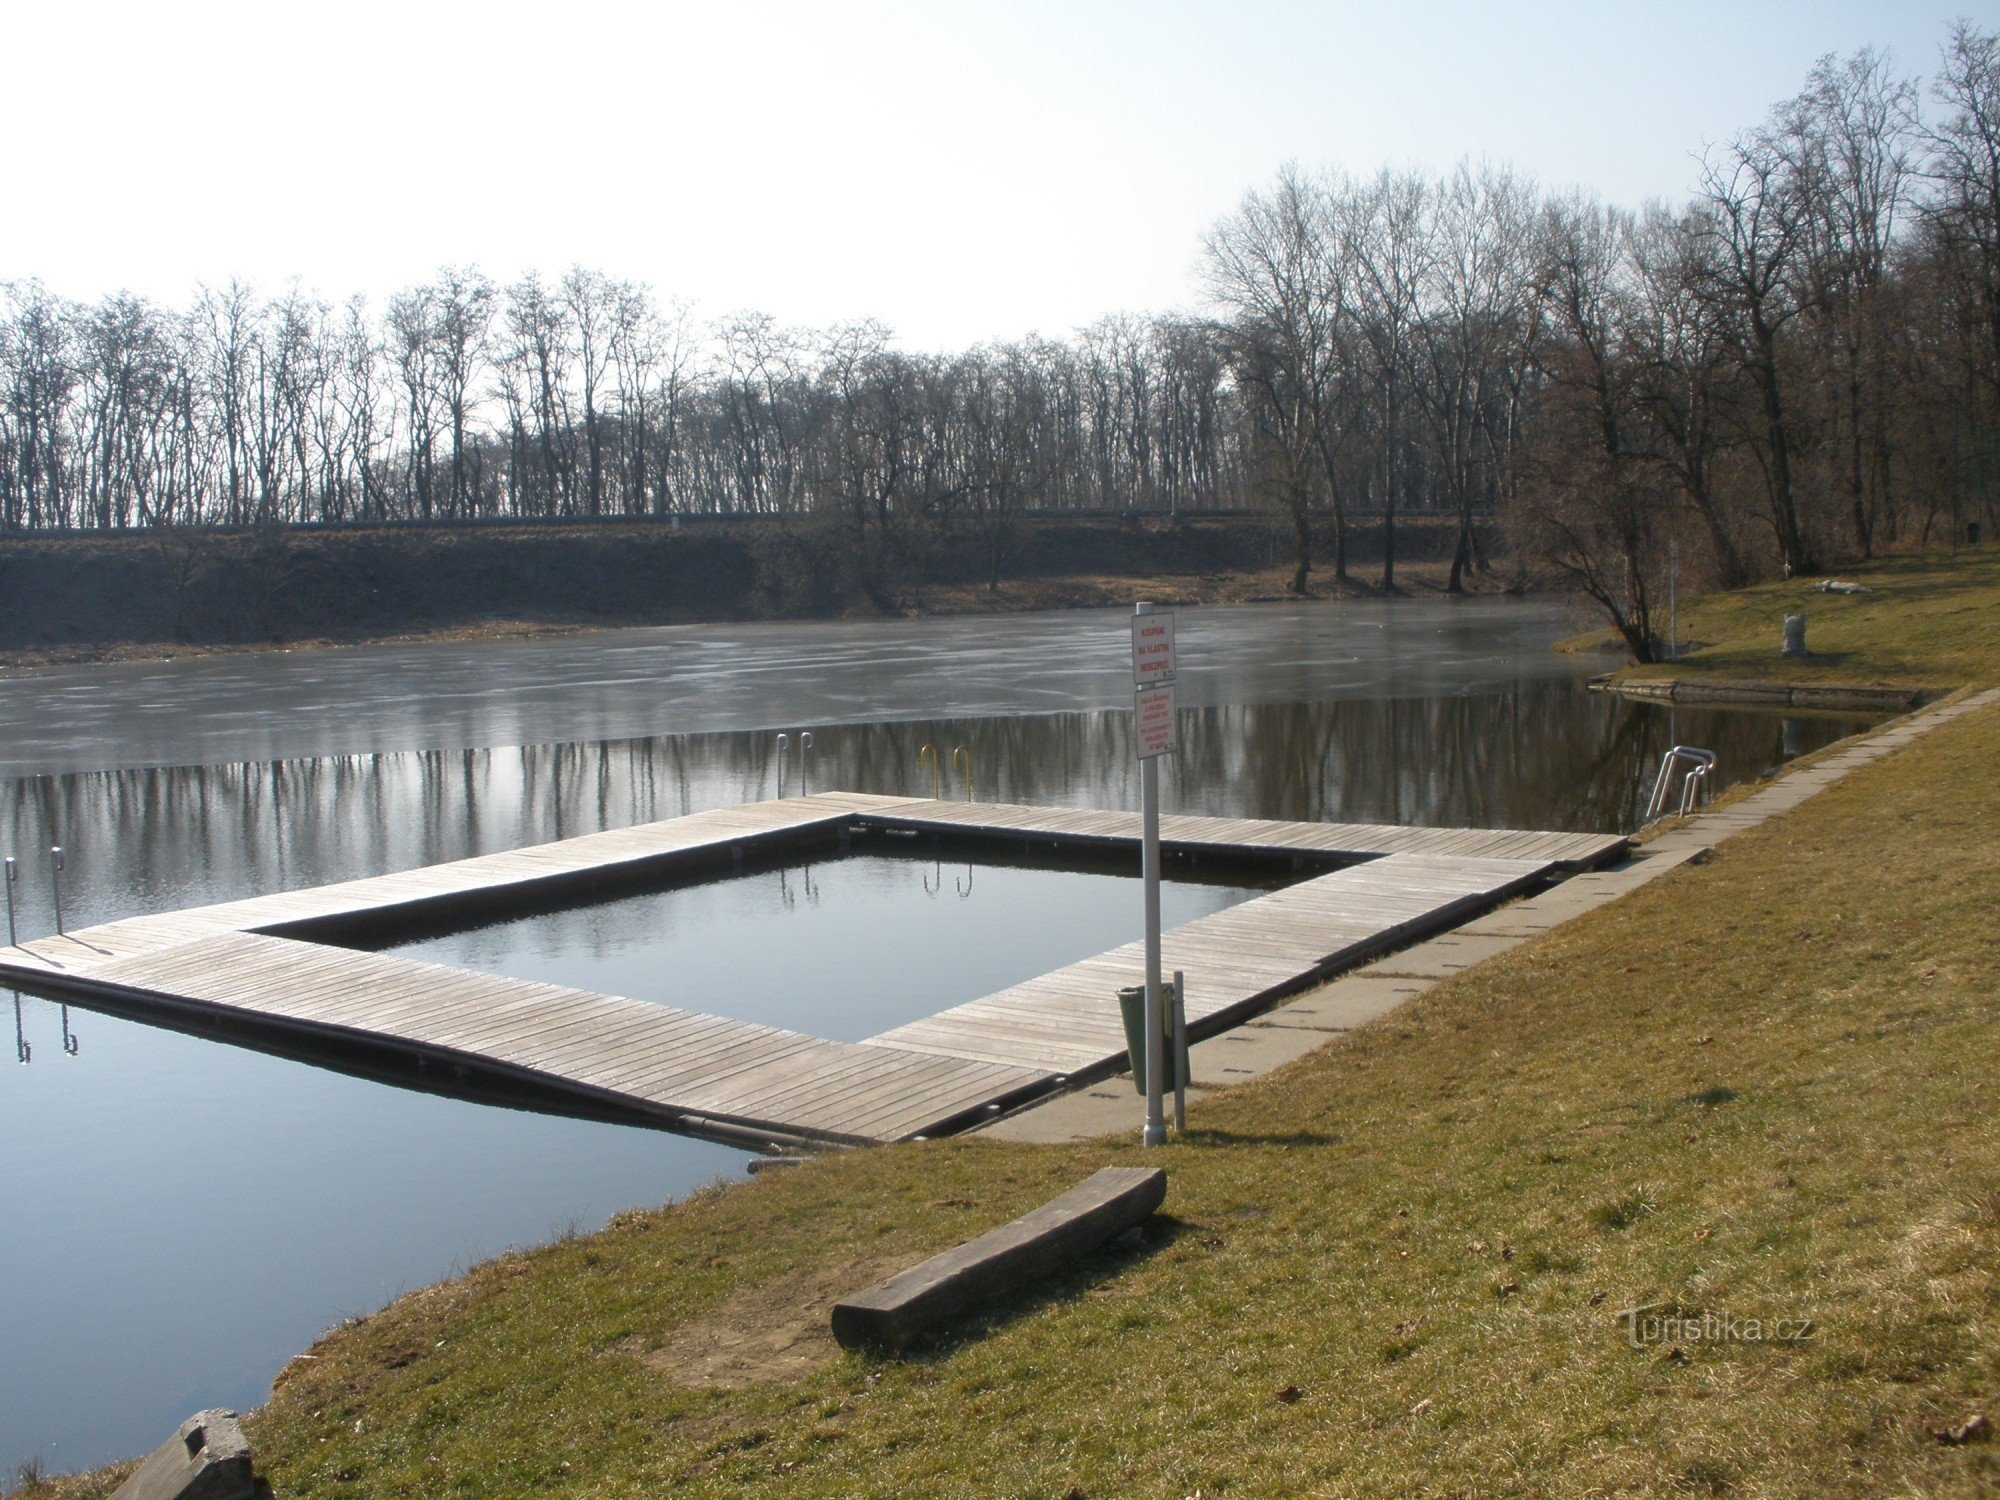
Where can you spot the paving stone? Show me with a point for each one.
(1441, 957)
(1346, 1003)
(1112, 1107)
(1248, 1052)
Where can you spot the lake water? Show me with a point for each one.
(844, 948)
(181, 1215)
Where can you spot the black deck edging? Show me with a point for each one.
(1104, 1205)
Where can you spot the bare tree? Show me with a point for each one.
(1387, 226)
(1750, 212)
(1683, 375)
(1589, 505)
(1848, 141)
(1279, 269)
(413, 325)
(1474, 283)
(462, 321)
(591, 300)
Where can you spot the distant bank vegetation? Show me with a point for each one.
(211, 586)
(1800, 362)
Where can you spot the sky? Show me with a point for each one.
(958, 170)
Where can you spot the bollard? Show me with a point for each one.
(1180, 1052)
(55, 882)
(1795, 635)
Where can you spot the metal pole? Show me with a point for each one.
(783, 740)
(55, 882)
(1180, 1053)
(805, 744)
(13, 873)
(1674, 600)
(1149, 869)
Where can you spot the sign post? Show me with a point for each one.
(1154, 726)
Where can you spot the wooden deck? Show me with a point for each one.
(1236, 962)
(247, 964)
(1240, 836)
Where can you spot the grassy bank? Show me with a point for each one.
(1931, 620)
(1761, 1088)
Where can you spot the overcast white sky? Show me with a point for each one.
(961, 171)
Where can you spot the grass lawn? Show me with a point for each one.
(1760, 1088)
(1929, 620)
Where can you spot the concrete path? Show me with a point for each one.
(1293, 1030)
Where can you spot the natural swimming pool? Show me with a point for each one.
(844, 946)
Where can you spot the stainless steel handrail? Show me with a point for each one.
(1700, 766)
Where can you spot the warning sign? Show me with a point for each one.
(1154, 721)
(1152, 648)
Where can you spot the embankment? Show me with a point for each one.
(252, 587)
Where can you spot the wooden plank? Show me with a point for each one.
(893, 1312)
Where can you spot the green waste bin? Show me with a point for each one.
(1132, 1007)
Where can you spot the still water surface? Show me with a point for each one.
(179, 1216)
(844, 948)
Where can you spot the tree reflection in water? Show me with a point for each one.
(1543, 755)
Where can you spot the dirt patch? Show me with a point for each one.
(774, 1332)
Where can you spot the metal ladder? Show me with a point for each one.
(1700, 766)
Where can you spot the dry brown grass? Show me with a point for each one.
(1926, 620)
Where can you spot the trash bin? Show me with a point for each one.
(1132, 1008)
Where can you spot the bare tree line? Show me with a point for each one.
(582, 398)
(1800, 362)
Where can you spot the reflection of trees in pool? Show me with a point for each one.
(1543, 755)
(1546, 755)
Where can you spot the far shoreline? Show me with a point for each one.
(1010, 597)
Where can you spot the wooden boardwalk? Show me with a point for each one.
(250, 964)
(687, 1070)
(1243, 836)
(1236, 962)
(620, 854)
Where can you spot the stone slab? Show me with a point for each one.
(1248, 1052)
(1442, 957)
(1346, 1003)
(207, 1458)
(1112, 1107)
